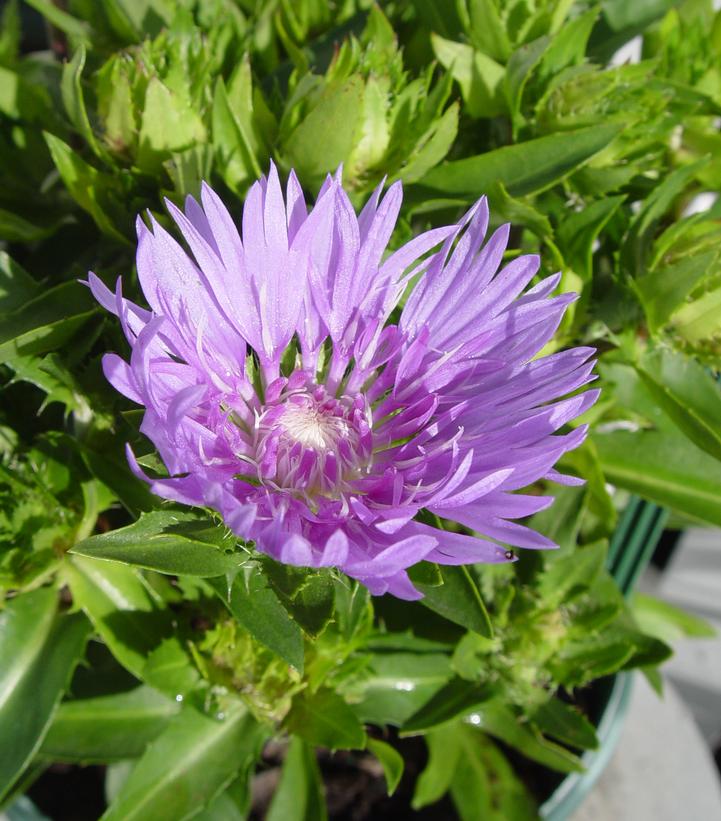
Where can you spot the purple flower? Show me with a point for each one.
(284, 387)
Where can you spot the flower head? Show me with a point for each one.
(284, 387)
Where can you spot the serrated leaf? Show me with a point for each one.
(518, 71)
(479, 76)
(252, 602)
(699, 319)
(39, 651)
(637, 244)
(325, 137)
(664, 289)
(565, 723)
(566, 576)
(107, 728)
(188, 765)
(325, 720)
(170, 669)
(578, 232)
(173, 542)
(308, 595)
(168, 124)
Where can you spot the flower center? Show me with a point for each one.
(313, 443)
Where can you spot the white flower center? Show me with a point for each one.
(313, 427)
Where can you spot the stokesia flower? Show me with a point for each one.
(284, 387)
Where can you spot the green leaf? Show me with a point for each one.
(480, 78)
(325, 720)
(188, 765)
(444, 751)
(498, 720)
(566, 576)
(565, 723)
(120, 607)
(484, 784)
(663, 290)
(299, 795)
(486, 29)
(258, 609)
(579, 231)
(561, 521)
(173, 542)
(14, 228)
(237, 160)
(584, 462)
(457, 599)
(700, 319)
(94, 192)
(308, 596)
(46, 321)
(391, 761)
(456, 697)
(664, 468)
(523, 168)
(73, 100)
(170, 669)
(113, 472)
(637, 244)
(568, 46)
(326, 136)
(39, 651)
(16, 285)
(433, 146)
(687, 393)
(398, 684)
(168, 124)
(61, 19)
(520, 67)
(666, 622)
(107, 728)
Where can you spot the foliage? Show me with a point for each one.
(134, 632)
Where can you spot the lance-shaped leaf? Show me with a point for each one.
(522, 168)
(39, 650)
(173, 542)
(687, 393)
(299, 796)
(120, 607)
(258, 609)
(110, 728)
(188, 765)
(665, 468)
